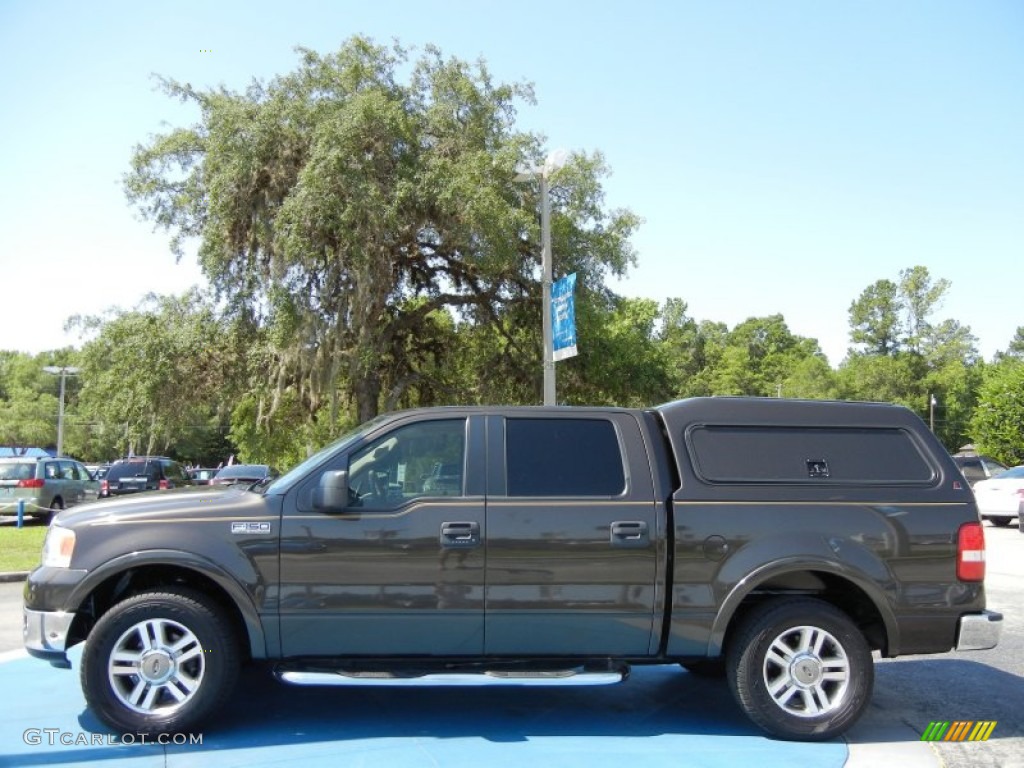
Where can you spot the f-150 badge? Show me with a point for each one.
(250, 527)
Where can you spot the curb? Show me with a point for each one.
(7, 578)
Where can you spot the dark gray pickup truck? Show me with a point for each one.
(775, 542)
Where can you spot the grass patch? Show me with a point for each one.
(20, 547)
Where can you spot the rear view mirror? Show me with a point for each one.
(332, 492)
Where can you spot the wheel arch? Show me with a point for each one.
(860, 599)
(125, 576)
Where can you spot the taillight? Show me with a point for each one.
(164, 485)
(36, 482)
(970, 552)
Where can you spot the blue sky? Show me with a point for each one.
(784, 155)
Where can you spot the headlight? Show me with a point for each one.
(58, 546)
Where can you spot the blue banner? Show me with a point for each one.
(563, 317)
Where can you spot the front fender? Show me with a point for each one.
(242, 598)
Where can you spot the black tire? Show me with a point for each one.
(800, 669)
(1002, 522)
(709, 668)
(189, 648)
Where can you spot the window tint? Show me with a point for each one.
(563, 457)
(972, 469)
(150, 470)
(736, 454)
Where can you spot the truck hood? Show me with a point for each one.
(179, 503)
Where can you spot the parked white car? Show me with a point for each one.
(999, 498)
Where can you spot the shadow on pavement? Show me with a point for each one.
(970, 690)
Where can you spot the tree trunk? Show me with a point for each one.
(367, 392)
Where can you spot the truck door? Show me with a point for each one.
(400, 570)
(574, 536)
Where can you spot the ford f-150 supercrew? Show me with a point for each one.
(775, 542)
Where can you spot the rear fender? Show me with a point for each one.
(756, 565)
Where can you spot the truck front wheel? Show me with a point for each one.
(800, 669)
(160, 662)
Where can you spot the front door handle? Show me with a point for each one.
(460, 534)
(629, 533)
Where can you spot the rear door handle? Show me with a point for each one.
(629, 533)
(459, 534)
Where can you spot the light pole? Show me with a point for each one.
(63, 371)
(932, 402)
(554, 161)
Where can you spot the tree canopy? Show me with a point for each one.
(339, 208)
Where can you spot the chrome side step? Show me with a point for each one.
(497, 677)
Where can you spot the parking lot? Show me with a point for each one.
(660, 716)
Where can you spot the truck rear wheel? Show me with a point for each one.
(800, 669)
(160, 662)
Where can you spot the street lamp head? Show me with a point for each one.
(66, 370)
(555, 161)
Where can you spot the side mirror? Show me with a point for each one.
(332, 492)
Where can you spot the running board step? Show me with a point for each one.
(495, 677)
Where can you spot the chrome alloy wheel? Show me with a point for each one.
(156, 666)
(806, 672)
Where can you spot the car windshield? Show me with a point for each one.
(286, 480)
(1011, 473)
(133, 469)
(17, 471)
(243, 470)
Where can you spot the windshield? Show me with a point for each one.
(146, 469)
(1011, 473)
(244, 470)
(286, 481)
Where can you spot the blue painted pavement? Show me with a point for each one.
(661, 716)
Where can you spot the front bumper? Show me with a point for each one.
(46, 634)
(979, 631)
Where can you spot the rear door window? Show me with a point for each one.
(563, 457)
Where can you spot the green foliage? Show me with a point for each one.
(955, 385)
(884, 378)
(1016, 347)
(920, 295)
(998, 422)
(890, 318)
(621, 361)
(29, 400)
(759, 357)
(157, 380)
(339, 209)
(875, 322)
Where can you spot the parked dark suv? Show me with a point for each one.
(143, 473)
